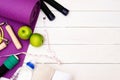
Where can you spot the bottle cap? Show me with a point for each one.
(11, 61)
(31, 65)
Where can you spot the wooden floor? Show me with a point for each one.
(87, 41)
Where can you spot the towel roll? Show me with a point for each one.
(24, 11)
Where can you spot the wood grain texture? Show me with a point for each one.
(81, 19)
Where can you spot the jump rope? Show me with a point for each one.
(50, 16)
(4, 69)
(55, 5)
(1, 32)
(52, 57)
(35, 56)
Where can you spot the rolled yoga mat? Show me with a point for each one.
(23, 11)
(17, 13)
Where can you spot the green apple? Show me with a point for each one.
(24, 32)
(36, 40)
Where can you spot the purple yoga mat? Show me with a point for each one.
(17, 13)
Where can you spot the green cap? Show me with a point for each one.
(11, 61)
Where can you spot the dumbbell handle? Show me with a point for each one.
(58, 6)
(47, 11)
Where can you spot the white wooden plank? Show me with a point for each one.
(91, 71)
(81, 36)
(90, 4)
(77, 53)
(82, 19)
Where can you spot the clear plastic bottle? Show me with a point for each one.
(26, 71)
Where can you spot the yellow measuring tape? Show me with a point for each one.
(1, 34)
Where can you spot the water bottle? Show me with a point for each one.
(26, 71)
